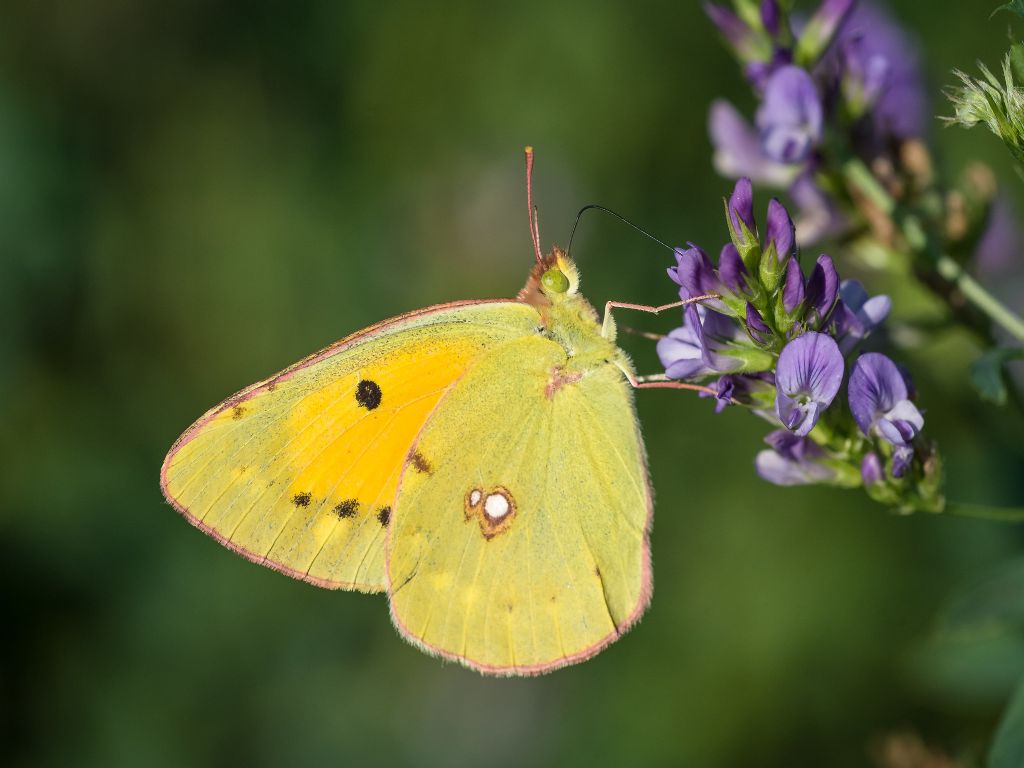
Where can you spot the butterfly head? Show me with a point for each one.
(552, 280)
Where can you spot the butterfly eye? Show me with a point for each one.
(554, 281)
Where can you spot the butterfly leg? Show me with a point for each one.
(661, 381)
(608, 325)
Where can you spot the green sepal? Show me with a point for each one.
(770, 270)
(847, 476)
(737, 305)
(744, 240)
(784, 321)
(753, 360)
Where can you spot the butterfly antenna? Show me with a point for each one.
(623, 219)
(531, 208)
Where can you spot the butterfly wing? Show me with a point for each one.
(525, 548)
(299, 472)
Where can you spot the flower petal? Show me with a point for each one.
(790, 117)
(875, 387)
(741, 205)
(822, 286)
(808, 376)
(738, 150)
(793, 287)
(779, 230)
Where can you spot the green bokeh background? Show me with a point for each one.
(194, 195)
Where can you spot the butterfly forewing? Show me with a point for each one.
(525, 547)
(300, 472)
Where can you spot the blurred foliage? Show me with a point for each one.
(195, 194)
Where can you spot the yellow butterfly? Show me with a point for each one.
(478, 461)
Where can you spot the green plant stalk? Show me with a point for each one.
(945, 266)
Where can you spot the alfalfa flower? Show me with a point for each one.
(808, 377)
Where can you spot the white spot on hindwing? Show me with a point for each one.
(493, 508)
(496, 506)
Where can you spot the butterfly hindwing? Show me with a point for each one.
(300, 471)
(525, 547)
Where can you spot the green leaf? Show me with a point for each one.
(1008, 746)
(1014, 6)
(987, 374)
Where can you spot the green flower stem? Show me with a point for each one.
(946, 267)
(986, 512)
(979, 297)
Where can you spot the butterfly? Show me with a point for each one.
(479, 461)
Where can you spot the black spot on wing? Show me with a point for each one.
(368, 394)
(237, 412)
(384, 515)
(347, 508)
(302, 499)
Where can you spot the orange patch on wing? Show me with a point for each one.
(267, 475)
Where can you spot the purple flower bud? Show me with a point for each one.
(878, 400)
(779, 230)
(738, 150)
(857, 314)
(808, 377)
(741, 206)
(694, 273)
(756, 325)
(822, 27)
(731, 270)
(727, 387)
(790, 116)
(770, 16)
(792, 461)
(793, 288)
(902, 458)
(739, 387)
(871, 471)
(822, 286)
(736, 32)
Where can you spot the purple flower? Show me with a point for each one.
(738, 149)
(771, 16)
(808, 377)
(858, 314)
(731, 270)
(881, 71)
(792, 460)
(697, 348)
(879, 402)
(871, 471)
(902, 458)
(694, 273)
(1001, 242)
(696, 276)
(822, 287)
(756, 325)
(779, 231)
(790, 116)
(729, 388)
